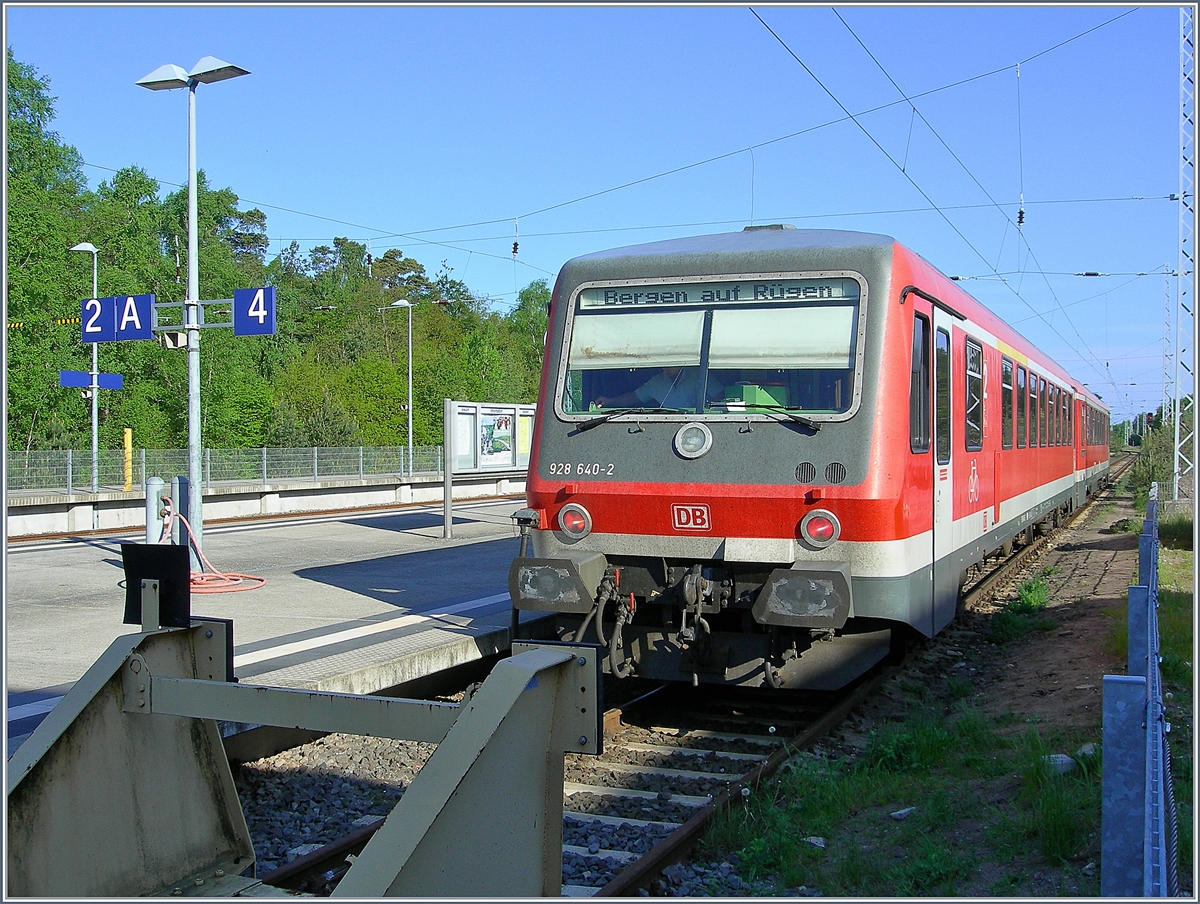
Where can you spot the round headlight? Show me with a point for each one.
(693, 440)
(575, 521)
(820, 527)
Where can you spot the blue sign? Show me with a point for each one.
(82, 379)
(99, 319)
(117, 319)
(254, 312)
(134, 317)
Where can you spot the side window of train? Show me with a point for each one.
(1042, 435)
(1006, 402)
(1052, 414)
(1059, 432)
(973, 410)
(1070, 419)
(919, 388)
(1032, 410)
(1022, 396)
(941, 375)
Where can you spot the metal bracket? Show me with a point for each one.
(212, 643)
(135, 681)
(586, 716)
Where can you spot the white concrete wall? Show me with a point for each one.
(62, 514)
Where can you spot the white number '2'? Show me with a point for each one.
(93, 305)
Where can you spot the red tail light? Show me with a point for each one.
(575, 520)
(820, 527)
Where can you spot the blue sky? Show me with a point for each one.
(405, 126)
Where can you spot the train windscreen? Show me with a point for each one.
(714, 347)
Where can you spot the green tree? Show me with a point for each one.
(528, 322)
(45, 193)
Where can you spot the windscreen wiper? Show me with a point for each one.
(609, 415)
(772, 409)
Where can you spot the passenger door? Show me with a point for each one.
(945, 572)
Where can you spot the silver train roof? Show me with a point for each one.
(764, 238)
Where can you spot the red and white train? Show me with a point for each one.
(758, 456)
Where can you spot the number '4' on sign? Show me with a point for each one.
(254, 312)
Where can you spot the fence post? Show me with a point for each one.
(1123, 806)
(314, 464)
(360, 462)
(264, 465)
(142, 456)
(69, 475)
(1145, 557)
(208, 469)
(1137, 655)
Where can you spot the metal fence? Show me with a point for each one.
(1138, 825)
(70, 471)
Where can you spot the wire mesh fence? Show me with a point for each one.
(71, 471)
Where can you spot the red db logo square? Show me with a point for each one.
(690, 516)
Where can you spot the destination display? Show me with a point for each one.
(731, 292)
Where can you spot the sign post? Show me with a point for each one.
(126, 317)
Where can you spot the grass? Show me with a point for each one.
(1176, 568)
(1175, 532)
(1024, 614)
(948, 766)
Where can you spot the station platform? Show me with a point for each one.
(359, 603)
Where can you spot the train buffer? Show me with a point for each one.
(124, 789)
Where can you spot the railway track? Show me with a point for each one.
(673, 759)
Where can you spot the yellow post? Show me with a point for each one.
(128, 459)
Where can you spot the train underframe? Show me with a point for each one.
(708, 622)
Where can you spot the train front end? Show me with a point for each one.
(702, 493)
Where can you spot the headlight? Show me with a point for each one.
(575, 521)
(693, 440)
(820, 528)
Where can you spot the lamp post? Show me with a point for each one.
(94, 251)
(166, 78)
(405, 303)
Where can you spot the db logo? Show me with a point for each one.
(692, 516)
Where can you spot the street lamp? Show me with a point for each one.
(405, 303)
(166, 78)
(89, 247)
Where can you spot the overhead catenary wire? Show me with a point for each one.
(922, 192)
(415, 234)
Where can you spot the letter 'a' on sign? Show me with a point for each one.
(134, 313)
(254, 312)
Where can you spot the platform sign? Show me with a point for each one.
(99, 319)
(117, 319)
(254, 312)
(82, 379)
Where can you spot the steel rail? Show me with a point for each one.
(679, 843)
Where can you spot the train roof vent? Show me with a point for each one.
(806, 472)
(768, 226)
(835, 472)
